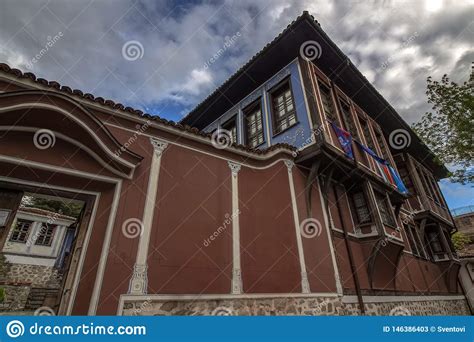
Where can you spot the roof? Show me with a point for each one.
(278, 53)
(129, 111)
(47, 213)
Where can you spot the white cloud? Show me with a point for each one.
(179, 39)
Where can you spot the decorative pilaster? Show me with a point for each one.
(289, 164)
(236, 268)
(304, 282)
(158, 146)
(235, 168)
(299, 242)
(139, 280)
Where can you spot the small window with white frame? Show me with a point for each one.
(21, 231)
(46, 235)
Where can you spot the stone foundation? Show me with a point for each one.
(28, 286)
(310, 306)
(15, 298)
(36, 275)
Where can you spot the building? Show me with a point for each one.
(36, 247)
(294, 188)
(464, 220)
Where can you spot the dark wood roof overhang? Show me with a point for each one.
(344, 170)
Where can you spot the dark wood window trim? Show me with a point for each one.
(411, 240)
(232, 126)
(46, 236)
(360, 207)
(407, 179)
(286, 83)
(365, 125)
(415, 241)
(252, 108)
(21, 231)
(384, 152)
(348, 118)
(385, 209)
(327, 101)
(434, 241)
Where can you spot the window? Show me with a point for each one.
(385, 210)
(429, 184)
(46, 235)
(348, 120)
(437, 195)
(254, 125)
(435, 243)
(362, 213)
(284, 113)
(381, 142)
(406, 178)
(368, 138)
(231, 126)
(21, 231)
(327, 103)
(414, 240)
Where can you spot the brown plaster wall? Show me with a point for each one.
(193, 201)
(319, 264)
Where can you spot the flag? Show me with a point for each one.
(387, 172)
(345, 139)
(398, 181)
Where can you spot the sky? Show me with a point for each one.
(156, 55)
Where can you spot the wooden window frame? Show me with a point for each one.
(27, 234)
(389, 208)
(44, 235)
(438, 241)
(248, 110)
(341, 103)
(367, 122)
(354, 207)
(232, 122)
(382, 146)
(320, 82)
(271, 95)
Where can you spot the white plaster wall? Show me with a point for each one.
(29, 252)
